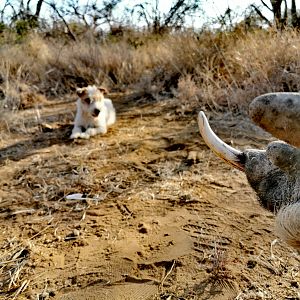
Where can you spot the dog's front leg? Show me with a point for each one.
(76, 132)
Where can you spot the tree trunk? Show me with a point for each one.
(38, 8)
(276, 7)
(295, 18)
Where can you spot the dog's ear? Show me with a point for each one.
(81, 92)
(103, 90)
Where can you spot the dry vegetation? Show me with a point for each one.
(161, 217)
(220, 70)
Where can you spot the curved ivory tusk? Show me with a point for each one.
(227, 153)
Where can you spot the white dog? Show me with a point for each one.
(94, 112)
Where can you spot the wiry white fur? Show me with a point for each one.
(84, 115)
(287, 225)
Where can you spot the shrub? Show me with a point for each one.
(220, 70)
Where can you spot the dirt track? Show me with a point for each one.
(164, 218)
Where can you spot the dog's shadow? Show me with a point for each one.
(44, 139)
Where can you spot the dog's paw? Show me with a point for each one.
(85, 135)
(75, 135)
(91, 131)
(102, 129)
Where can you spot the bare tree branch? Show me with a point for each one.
(28, 5)
(56, 10)
(267, 6)
(261, 14)
(142, 13)
(3, 10)
(76, 11)
(38, 8)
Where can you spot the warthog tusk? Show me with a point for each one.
(232, 156)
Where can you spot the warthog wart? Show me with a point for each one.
(274, 173)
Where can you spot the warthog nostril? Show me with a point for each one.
(96, 112)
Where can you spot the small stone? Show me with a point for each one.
(43, 296)
(76, 232)
(143, 228)
(192, 155)
(251, 264)
(294, 284)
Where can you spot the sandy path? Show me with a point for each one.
(157, 225)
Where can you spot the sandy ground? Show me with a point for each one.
(161, 218)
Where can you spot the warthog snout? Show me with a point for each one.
(273, 173)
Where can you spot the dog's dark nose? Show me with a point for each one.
(96, 112)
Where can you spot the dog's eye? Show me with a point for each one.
(87, 101)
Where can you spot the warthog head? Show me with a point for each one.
(273, 173)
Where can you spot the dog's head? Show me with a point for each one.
(92, 99)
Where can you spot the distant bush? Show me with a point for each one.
(24, 26)
(222, 70)
(2, 27)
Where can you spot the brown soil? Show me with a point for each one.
(163, 217)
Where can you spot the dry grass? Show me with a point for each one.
(138, 172)
(12, 263)
(218, 70)
(138, 179)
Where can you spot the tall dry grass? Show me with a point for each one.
(219, 70)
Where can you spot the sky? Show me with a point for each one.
(211, 8)
(217, 7)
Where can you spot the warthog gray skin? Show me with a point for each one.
(274, 173)
(279, 114)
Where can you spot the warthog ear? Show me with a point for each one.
(81, 92)
(103, 90)
(278, 113)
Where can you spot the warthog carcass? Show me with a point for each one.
(273, 173)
